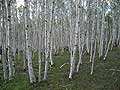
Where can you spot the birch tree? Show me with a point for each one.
(28, 45)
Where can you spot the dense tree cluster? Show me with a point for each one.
(53, 26)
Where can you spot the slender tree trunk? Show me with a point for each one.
(28, 46)
(3, 37)
(46, 43)
(9, 42)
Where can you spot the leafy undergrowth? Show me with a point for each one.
(103, 78)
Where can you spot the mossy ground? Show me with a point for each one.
(102, 79)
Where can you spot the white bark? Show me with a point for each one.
(28, 47)
(46, 43)
(73, 50)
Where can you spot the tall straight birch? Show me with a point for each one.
(51, 31)
(81, 36)
(3, 41)
(46, 42)
(28, 46)
(93, 37)
(72, 57)
(9, 42)
(101, 47)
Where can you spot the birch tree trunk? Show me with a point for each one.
(3, 41)
(51, 31)
(72, 57)
(9, 42)
(102, 31)
(28, 45)
(46, 43)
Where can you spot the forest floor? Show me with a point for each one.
(106, 75)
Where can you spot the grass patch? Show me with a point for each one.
(102, 79)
